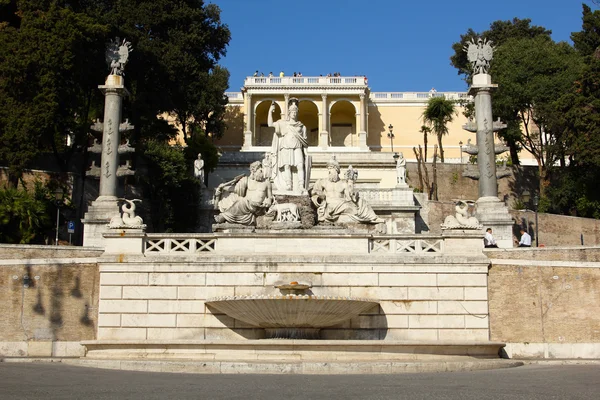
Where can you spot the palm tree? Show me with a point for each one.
(425, 130)
(438, 113)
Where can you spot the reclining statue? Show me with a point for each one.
(337, 201)
(250, 197)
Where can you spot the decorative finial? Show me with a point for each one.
(479, 55)
(117, 54)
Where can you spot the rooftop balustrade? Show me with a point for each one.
(358, 81)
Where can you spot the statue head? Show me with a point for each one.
(199, 156)
(256, 171)
(293, 109)
(333, 168)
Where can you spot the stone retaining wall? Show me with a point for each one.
(49, 298)
(545, 303)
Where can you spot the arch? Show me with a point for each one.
(333, 102)
(308, 114)
(343, 124)
(263, 135)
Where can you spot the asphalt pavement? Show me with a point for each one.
(58, 381)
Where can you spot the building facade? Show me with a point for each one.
(341, 114)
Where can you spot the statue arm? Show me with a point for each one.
(270, 122)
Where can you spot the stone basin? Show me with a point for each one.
(292, 316)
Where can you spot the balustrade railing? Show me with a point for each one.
(169, 244)
(399, 245)
(306, 80)
(407, 96)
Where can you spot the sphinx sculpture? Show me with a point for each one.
(337, 201)
(244, 198)
(462, 219)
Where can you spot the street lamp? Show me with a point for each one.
(460, 144)
(58, 198)
(391, 136)
(536, 202)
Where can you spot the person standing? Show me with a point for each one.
(488, 240)
(525, 239)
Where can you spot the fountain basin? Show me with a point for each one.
(292, 316)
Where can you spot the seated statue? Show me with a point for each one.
(251, 196)
(337, 201)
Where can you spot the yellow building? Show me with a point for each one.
(341, 114)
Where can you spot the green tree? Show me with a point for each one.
(574, 188)
(48, 82)
(170, 187)
(24, 217)
(438, 113)
(499, 32)
(532, 75)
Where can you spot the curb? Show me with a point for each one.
(253, 367)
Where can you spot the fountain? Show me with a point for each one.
(294, 314)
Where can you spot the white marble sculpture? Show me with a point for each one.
(117, 55)
(199, 169)
(479, 55)
(337, 201)
(127, 219)
(462, 219)
(401, 170)
(288, 149)
(244, 198)
(284, 212)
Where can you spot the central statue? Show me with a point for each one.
(289, 144)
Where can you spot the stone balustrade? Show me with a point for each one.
(376, 97)
(415, 96)
(300, 243)
(358, 81)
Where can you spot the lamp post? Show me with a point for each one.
(391, 136)
(460, 144)
(58, 198)
(536, 202)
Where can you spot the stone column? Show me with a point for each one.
(286, 104)
(248, 133)
(486, 156)
(324, 133)
(491, 212)
(113, 91)
(362, 133)
(106, 205)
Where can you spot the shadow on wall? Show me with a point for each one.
(376, 129)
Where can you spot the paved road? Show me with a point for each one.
(57, 381)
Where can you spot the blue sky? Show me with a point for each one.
(400, 45)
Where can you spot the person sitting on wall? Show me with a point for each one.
(488, 240)
(525, 239)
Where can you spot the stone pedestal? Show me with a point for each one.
(95, 222)
(362, 141)
(463, 241)
(492, 213)
(247, 141)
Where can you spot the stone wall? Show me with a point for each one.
(552, 227)
(49, 298)
(545, 303)
(438, 296)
